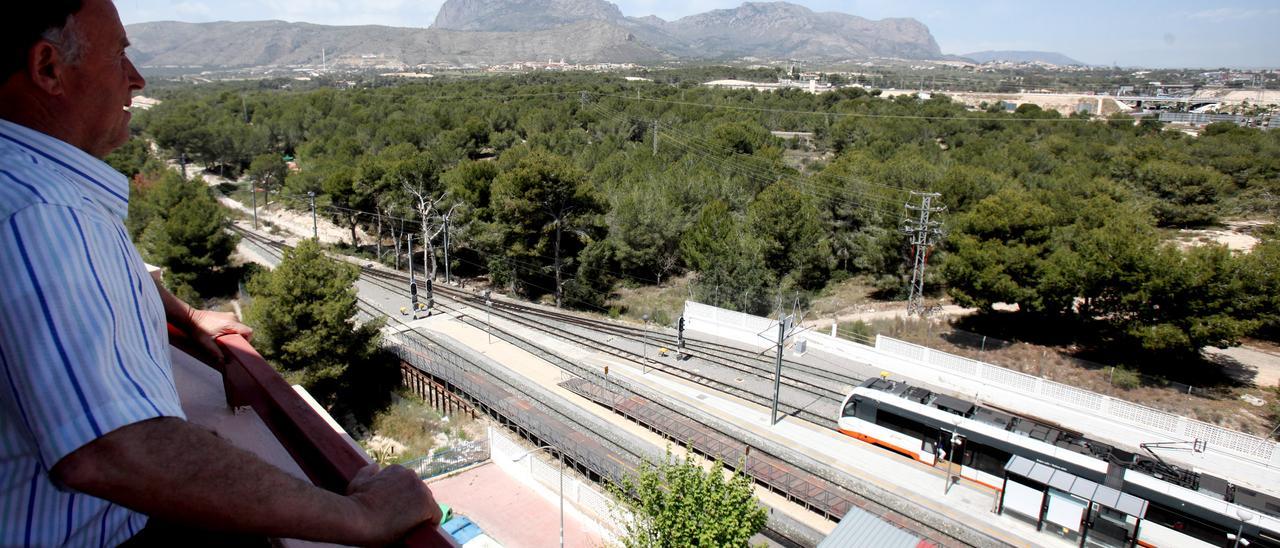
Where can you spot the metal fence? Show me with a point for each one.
(490, 391)
(1199, 119)
(447, 459)
(584, 496)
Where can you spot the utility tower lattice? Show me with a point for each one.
(924, 233)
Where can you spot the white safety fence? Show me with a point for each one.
(745, 328)
(593, 506)
(1102, 415)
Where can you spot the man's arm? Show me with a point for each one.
(204, 326)
(170, 469)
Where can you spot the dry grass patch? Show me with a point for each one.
(847, 297)
(409, 429)
(663, 304)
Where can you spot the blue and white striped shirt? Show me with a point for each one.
(83, 344)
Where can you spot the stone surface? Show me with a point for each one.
(502, 31)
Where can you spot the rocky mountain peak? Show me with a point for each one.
(521, 15)
(502, 31)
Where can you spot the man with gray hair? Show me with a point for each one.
(93, 441)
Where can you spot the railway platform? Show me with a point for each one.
(810, 394)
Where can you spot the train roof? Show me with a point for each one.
(1074, 441)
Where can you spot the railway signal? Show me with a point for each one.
(680, 339)
(431, 300)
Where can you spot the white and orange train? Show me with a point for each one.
(932, 428)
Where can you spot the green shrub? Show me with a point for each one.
(1125, 378)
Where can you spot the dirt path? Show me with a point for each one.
(295, 223)
(1255, 365)
(1236, 235)
(898, 311)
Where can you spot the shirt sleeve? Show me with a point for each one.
(81, 348)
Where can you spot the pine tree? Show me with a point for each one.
(545, 206)
(730, 262)
(303, 315)
(181, 228)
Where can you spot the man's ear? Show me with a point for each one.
(45, 67)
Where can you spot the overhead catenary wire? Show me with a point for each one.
(418, 227)
(708, 153)
(700, 144)
(843, 114)
(703, 149)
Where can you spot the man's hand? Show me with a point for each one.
(394, 501)
(207, 326)
(175, 471)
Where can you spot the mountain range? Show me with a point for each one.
(1022, 57)
(497, 31)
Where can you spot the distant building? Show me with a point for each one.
(1201, 119)
(812, 86)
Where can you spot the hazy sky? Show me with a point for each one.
(1167, 33)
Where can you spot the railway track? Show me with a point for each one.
(838, 494)
(551, 323)
(810, 383)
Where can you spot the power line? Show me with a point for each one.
(702, 144)
(924, 233)
(418, 225)
(708, 152)
(845, 114)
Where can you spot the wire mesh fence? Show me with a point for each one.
(526, 415)
(448, 459)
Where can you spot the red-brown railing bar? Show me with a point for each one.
(322, 453)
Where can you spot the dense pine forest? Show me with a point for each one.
(565, 187)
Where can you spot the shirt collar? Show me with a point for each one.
(99, 181)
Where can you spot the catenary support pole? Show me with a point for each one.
(446, 249)
(315, 229)
(644, 346)
(655, 137)
(488, 315)
(777, 374)
(413, 282)
(253, 192)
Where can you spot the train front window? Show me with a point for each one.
(851, 408)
